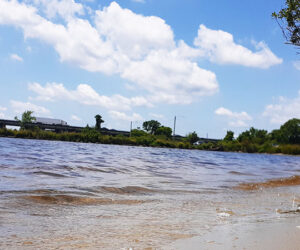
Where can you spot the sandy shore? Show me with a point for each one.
(283, 233)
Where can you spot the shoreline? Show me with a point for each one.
(140, 145)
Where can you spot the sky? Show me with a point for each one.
(215, 65)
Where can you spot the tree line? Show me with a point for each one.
(284, 140)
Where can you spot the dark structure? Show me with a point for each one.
(59, 128)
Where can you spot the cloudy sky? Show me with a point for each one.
(216, 65)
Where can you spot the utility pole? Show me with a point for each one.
(174, 127)
(130, 128)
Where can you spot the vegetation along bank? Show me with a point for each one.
(285, 140)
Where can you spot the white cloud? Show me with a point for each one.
(138, 48)
(64, 8)
(16, 57)
(297, 65)
(20, 107)
(75, 118)
(283, 110)
(235, 119)
(171, 78)
(122, 116)
(131, 34)
(226, 112)
(86, 95)
(2, 116)
(219, 47)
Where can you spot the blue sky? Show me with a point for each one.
(216, 65)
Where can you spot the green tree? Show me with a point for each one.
(229, 136)
(254, 135)
(138, 133)
(151, 126)
(98, 122)
(244, 136)
(290, 132)
(192, 137)
(27, 118)
(290, 21)
(166, 131)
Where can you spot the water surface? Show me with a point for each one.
(57, 195)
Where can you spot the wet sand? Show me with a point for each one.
(282, 182)
(275, 235)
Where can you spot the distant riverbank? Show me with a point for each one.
(148, 140)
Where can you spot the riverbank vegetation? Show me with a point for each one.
(285, 140)
(90, 135)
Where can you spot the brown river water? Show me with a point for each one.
(62, 195)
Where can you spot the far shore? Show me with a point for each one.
(122, 141)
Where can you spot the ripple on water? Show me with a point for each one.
(128, 190)
(142, 197)
(49, 174)
(77, 200)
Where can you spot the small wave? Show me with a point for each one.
(290, 181)
(208, 163)
(77, 200)
(92, 169)
(136, 190)
(47, 192)
(239, 173)
(49, 174)
(127, 190)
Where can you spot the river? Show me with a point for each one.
(64, 195)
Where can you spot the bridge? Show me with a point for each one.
(59, 128)
(200, 141)
(206, 140)
(66, 128)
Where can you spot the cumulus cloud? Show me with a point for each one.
(20, 107)
(131, 34)
(283, 110)
(170, 78)
(63, 8)
(235, 119)
(86, 95)
(219, 47)
(123, 116)
(16, 57)
(140, 49)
